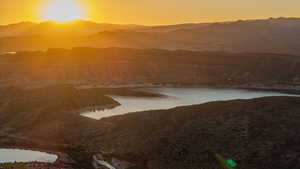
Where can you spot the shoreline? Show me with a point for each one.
(278, 87)
(287, 89)
(82, 111)
(61, 157)
(57, 154)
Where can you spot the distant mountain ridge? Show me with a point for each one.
(274, 35)
(80, 26)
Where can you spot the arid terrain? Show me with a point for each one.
(124, 66)
(48, 78)
(259, 133)
(274, 35)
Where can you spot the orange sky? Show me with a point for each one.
(154, 12)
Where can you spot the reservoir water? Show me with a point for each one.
(17, 155)
(177, 97)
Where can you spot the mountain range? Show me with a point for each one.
(273, 35)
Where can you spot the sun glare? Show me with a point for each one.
(63, 11)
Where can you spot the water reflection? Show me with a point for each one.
(177, 97)
(16, 155)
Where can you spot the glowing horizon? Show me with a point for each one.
(146, 12)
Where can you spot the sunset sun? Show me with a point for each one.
(63, 11)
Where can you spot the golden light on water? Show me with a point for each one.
(63, 11)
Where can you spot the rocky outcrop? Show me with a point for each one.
(99, 161)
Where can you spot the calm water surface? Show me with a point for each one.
(16, 155)
(177, 97)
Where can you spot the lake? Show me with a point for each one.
(177, 97)
(17, 155)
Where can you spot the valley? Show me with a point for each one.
(184, 137)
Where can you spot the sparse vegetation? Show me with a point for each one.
(246, 130)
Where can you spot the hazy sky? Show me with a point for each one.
(153, 12)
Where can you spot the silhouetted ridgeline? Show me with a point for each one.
(274, 35)
(133, 66)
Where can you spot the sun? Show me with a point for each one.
(63, 11)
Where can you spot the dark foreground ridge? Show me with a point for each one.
(258, 133)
